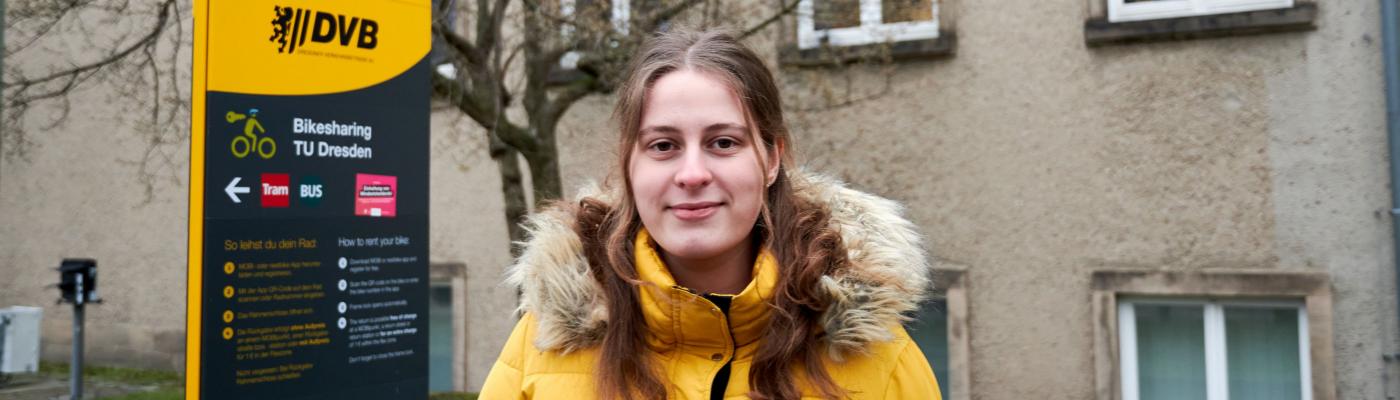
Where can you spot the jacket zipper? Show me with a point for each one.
(728, 366)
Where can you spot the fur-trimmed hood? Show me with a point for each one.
(887, 277)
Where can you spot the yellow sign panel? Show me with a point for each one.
(313, 47)
(321, 63)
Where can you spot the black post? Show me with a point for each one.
(75, 372)
(77, 285)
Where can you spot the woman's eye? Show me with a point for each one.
(726, 143)
(663, 146)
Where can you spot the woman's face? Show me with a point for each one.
(696, 178)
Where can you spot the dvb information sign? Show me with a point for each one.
(308, 243)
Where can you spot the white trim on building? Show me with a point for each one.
(1123, 10)
(1216, 360)
(871, 29)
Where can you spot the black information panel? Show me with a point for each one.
(313, 275)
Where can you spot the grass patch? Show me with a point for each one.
(164, 393)
(452, 396)
(116, 374)
(170, 386)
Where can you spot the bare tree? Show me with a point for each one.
(531, 57)
(550, 57)
(133, 46)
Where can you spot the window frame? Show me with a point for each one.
(1313, 288)
(1121, 11)
(872, 28)
(456, 275)
(951, 285)
(1216, 342)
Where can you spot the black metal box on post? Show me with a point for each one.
(77, 284)
(78, 280)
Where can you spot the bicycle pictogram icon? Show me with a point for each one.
(250, 140)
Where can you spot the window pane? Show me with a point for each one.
(440, 338)
(1171, 351)
(831, 14)
(929, 329)
(1262, 353)
(906, 10)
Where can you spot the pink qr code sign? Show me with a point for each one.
(376, 195)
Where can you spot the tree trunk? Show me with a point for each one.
(513, 189)
(546, 184)
(544, 167)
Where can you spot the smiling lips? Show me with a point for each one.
(695, 211)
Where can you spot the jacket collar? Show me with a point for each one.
(676, 314)
(886, 279)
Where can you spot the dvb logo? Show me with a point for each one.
(292, 26)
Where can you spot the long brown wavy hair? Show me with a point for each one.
(796, 231)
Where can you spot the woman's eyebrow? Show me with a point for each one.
(725, 126)
(659, 129)
(671, 130)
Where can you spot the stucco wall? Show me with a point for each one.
(468, 226)
(75, 193)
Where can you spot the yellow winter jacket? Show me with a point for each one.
(553, 350)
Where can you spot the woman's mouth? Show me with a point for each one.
(695, 211)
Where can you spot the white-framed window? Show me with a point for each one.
(929, 329)
(440, 337)
(1213, 349)
(448, 330)
(1138, 10)
(940, 329)
(859, 22)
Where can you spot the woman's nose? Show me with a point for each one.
(694, 172)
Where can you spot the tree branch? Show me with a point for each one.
(498, 16)
(484, 113)
(787, 9)
(161, 20)
(569, 94)
(653, 19)
(19, 16)
(459, 44)
(488, 25)
(534, 6)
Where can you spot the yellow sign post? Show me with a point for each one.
(308, 200)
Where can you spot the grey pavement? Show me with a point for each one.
(47, 387)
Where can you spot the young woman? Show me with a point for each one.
(714, 270)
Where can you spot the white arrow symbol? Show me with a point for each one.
(233, 189)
